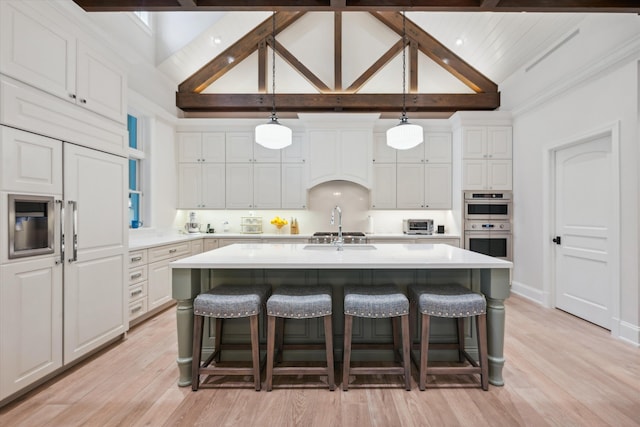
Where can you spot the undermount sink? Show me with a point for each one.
(351, 247)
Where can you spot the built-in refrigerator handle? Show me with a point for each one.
(74, 204)
(61, 216)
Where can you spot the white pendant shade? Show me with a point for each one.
(404, 135)
(273, 135)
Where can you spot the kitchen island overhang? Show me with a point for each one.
(402, 264)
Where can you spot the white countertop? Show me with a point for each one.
(142, 240)
(325, 256)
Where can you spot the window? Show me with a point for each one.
(136, 156)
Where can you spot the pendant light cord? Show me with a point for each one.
(273, 65)
(404, 63)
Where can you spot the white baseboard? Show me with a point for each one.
(533, 294)
(629, 333)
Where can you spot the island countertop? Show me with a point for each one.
(326, 256)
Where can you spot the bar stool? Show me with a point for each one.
(453, 301)
(377, 301)
(227, 302)
(298, 302)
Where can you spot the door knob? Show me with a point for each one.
(556, 240)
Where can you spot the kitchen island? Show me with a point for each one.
(310, 264)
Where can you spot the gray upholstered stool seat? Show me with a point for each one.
(452, 301)
(298, 302)
(376, 301)
(227, 302)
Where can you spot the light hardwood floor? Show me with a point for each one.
(560, 371)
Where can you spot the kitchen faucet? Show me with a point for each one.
(339, 241)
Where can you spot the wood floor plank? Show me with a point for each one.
(560, 371)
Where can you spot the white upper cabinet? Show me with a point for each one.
(294, 191)
(45, 56)
(436, 148)
(340, 154)
(201, 185)
(383, 193)
(204, 147)
(250, 186)
(487, 152)
(382, 153)
(36, 162)
(242, 148)
(297, 151)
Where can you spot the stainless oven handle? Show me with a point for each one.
(61, 203)
(75, 230)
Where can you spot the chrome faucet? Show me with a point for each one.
(339, 242)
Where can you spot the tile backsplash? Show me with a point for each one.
(352, 198)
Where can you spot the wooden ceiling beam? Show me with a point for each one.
(574, 6)
(438, 52)
(299, 66)
(236, 53)
(355, 102)
(375, 67)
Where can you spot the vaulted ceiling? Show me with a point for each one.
(338, 93)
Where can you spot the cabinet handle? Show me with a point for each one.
(172, 251)
(136, 258)
(136, 292)
(135, 276)
(72, 95)
(136, 308)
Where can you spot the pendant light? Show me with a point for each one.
(272, 134)
(404, 135)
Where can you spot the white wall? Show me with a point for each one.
(590, 93)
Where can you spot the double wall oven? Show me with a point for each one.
(487, 223)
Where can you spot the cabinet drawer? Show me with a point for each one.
(137, 274)
(169, 251)
(139, 290)
(137, 258)
(137, 308)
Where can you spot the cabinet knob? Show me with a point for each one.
(72, 95)
(83, 101)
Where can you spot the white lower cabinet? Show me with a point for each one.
(30, 321)
(210, 244)
(150, 277)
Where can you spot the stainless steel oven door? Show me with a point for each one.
(493, 243)
(31, 225)
(487, 210)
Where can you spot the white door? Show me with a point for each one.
(584, 217)
(95, 294)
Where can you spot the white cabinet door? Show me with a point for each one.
(213, 185)
(412, 155)
(210, 244)
(36, 52)
(474, 174)
(189, 147)
(499, 142)
(266, 185)
(437, 147)
(474, 142)
(30, 321)
(239, 185)
(197, 246)
(410, 186)
(294, 192)
(382, 153)
(499, 175)
(159, 287)
(213, 147)
(190, 185)
(383, 191)
(101, 86)
(36, 162)
(95, 295)
(323, 157)
(437, 186)
(297, 151)
(241, 148)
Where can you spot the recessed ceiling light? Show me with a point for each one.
(230, 59)
(459, 42)
(216, 40)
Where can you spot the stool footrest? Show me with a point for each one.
(297, 370)
(226, 371)
(382, 370)
(453, 370)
